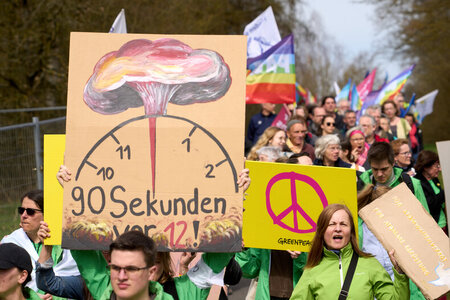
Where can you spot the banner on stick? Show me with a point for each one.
(262, 33)
(120, 23)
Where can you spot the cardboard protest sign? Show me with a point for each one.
(400, 222)
(284, 202)
(53, 193)
(154, 140)
(444, 160)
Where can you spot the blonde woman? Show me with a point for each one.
(272, 136)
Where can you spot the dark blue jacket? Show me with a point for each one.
(258, 123)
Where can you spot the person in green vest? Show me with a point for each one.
(428, 167)
(333, 249)
(383, 172)
(277, 272)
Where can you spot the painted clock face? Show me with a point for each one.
(164, 169)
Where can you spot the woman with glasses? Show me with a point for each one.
(327, 152)
(403, 156)
(31, 215)
(327, 126)
(360, 148)
(427, 167)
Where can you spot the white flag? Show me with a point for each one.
(262, 33)
(336, 88)
(120, 24)
(424, 105)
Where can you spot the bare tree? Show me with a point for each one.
(418, 32)
(34, 36)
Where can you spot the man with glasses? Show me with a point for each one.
(130, 273)
(342, 106)
(31, 214)
(369, 125)
(318, 113)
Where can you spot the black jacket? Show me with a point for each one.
(434, 200)
(339, 163)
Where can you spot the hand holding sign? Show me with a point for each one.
(187, 196)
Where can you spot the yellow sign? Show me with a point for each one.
(54, 145)
(285, 200)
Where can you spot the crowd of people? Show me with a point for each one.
(383, 148)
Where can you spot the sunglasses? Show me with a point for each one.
(30, 211)
(330, 124)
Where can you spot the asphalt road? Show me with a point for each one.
(239, 291)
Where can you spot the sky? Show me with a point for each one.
(353, 27)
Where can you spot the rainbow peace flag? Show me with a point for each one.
(272, 74)
(311, 98)
(301, 95)
(394, 86)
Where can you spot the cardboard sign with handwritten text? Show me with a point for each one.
(400, 222)
(444, 159)
(154, 140)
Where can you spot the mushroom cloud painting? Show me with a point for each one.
(152, 74)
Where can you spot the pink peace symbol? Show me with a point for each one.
(295, 207)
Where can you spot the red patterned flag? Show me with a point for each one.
(365, 87)
(282, 117)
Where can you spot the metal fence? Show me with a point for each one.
(21, 156)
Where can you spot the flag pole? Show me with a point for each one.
(411, 103)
